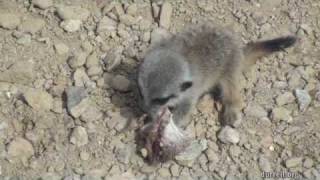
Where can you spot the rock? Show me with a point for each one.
(71, 25)
(38, 99)
(20, 72)
(175, 170)
(78, 60)
(132, 9)
(92, 113)
(84, 155)
(9, 20)
(285, 98)
(308, 163)
(159, 34)
(61, 48)
(81, 79)
(165, 16)
(229, 135)
(24, 40)
(303, 98)
(113, 59)
(72, 13)
(92, 60)
(42, 4)
(128, 19)
(193, 151)
(264, 164)
(77, 101)
(124, 153)
(32, 25)
(94, 71)
(79, 136)
(281, 113)
(293, 162)
(164, 172)
(255, 110)
(117, 121)
(57, 106)
(106, 25)
(20, 148)
(120, 83)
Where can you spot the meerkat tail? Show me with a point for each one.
(255, 50)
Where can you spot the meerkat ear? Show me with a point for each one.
(186, 85)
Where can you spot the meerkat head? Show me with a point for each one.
(164, 78)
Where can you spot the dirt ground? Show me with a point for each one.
(68, 97)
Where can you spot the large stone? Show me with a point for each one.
(229, 135)
(9, 20)
(20, 148)
(79, 136)
(191, 153)
(77, 101)
(38, 99)
(21, 72)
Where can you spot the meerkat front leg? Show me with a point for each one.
(231, 101)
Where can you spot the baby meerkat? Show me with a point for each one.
(177, 71)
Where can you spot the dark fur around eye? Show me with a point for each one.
(186, 85)
(162, 101)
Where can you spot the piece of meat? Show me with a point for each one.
(162, 139)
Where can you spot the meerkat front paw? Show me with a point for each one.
(231, 116)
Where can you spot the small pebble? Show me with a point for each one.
(229, 135)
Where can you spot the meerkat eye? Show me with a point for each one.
(162, 101)
(186, 85)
